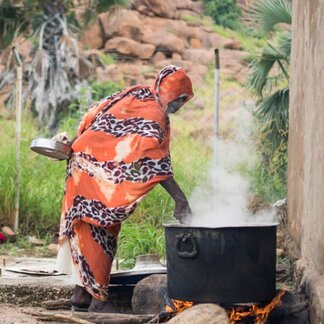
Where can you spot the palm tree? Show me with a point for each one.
(269, 82)
(269, 77)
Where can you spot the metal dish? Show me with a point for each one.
(146, 265)
(51, 148)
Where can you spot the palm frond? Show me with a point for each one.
(262, 67)
(259, 74)
(272, 113)
(284, 43)
(269, 13)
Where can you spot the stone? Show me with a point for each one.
(35, 241)
(158, 56)
(202, 314)
(197, 7)
(148, 295)
(176, 56)
(108, 73)
(233, 45)
(186, 65)
(197, 55)
(53, 248)
(213, 40)
(183, 4)
(129, 47)
(160, 8)
(121, 22)
(187, 13)
(92, 36)
(165, 41)
(195, 43)
(176, 27)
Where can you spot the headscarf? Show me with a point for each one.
(171, 83)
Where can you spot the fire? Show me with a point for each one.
(178, 306)
(260, 313)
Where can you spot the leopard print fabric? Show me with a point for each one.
(141, 170)
(122, 127)
(107, 241)
(163, 74)
(87, 276)
(140, 94)
(95, 210)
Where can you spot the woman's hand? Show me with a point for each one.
(182, 212)
(62, 137)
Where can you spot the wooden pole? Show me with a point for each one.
(18, 135)
(216, 93)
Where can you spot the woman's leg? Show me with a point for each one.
(93, 249)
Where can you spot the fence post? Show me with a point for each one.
(216, 93)
(18, 135)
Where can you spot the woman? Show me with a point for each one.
(120, 153)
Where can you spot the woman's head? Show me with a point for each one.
(173, 87)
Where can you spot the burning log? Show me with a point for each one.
(259, 313)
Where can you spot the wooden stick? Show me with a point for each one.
(103, 318)
(57, 304)
(18, 136)
(52, 316)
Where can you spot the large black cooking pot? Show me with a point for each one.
(221, 265)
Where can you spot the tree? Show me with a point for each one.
(223, 12)
(58, 67)
(269, 76)
(269, 81)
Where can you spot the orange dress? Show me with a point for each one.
(121, 152)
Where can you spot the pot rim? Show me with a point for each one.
(170, 225)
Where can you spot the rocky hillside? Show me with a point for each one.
(154, 33)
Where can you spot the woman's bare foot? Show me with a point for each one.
(80, 298)
(98, 306)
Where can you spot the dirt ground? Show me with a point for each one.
(10, 314)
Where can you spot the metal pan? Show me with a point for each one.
(51, 148)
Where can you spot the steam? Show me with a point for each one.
(223, 198)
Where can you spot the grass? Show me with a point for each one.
(41, 186)
(22, 247)
(248, 43)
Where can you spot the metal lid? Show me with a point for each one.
(51, 148)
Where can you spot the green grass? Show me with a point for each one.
(248, 43)
(41, 186)
(22, 247)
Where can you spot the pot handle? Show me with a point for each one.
(183, 238)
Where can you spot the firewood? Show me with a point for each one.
(57, 304)
(49, 316)
(103, 318)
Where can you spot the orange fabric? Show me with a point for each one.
(120, 154)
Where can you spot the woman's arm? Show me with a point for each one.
(182, 209)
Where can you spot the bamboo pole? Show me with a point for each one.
(18, 135)
(216, 93)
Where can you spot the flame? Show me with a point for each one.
(178, 306)
(260, 313)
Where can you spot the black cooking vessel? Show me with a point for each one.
(221, 265)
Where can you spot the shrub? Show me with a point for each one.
(223, 12)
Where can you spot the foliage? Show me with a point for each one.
(53, 77)
(137, 239)
(269, 80)
(41, 186)
(269, 13)
(103, 89)
(224, 12)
